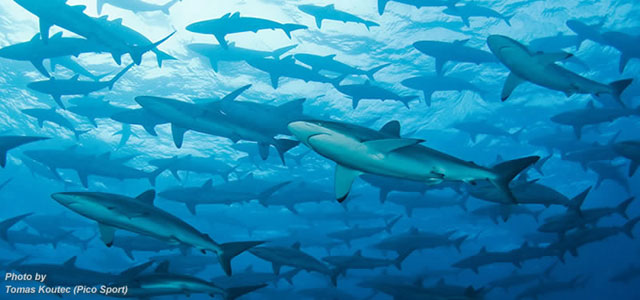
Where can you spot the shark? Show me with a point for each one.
(74, 19)
(36, 51)
(136, 6)
(6, 224)
(140, 215)
(431, 84)
(251, 277)
(329, 12)
(234, 23)
(414, 239)
(417, 3)
(207, 118)
(476, 127)
(125, 133)
(130, 243)
(525, 191)
(73, 86)
(556, 42)
(629, 273)
(292, 256)
(591, 115)
(484, 257)
(587, 31)
(517, 278)
(357, 232)
(624, 43)
(305, 193)
(329, 63)
(9, 142)
(71, 65)
(163, 283)
(467, 11)
(342, 263)
(216, 53)
(433, 201)
(549, 287)
(139, 116)
(287, 67)
(631, 151)
(357, 150)
(455, 51)
(68, 274)
(368, 91)
(94, 108)
(609, 171)
(504, 211)
(51, 115)
(541, 69)
(195, 164)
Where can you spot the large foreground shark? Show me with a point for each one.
(540, 68)
(358, 150)
(139, 215)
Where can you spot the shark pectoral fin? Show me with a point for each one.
(214, 64)
(84, 179)
(58, 100)
(106, 234)
(40, 67)
(439, 65)
(344, 178)
(512, 82)
(150, 129)
(551, 57)
(319, 22)
(389, 145)
(274, 80)
(624, 59)
(221, 40)
(191, 206)
(178, 135)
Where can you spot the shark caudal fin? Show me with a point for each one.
(372, 71)
(288, 28)
(235, 292)
(99, 5)
(8, 223)
(231, 250)
(161, 56)
(284, 145)
(136, 52)
(120, 74)
(266, 194)
(617, 87)
(153, 175)
(507, 20)
(165, 8)
(280, 51)
(621, 209)
(506, 171)
(627, 228)
(136, 270)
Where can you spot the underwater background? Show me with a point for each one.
(293, 201)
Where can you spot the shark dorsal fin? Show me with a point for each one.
(36, 37)
(162, 267)
(460, 42)
(117, 21)
(147, 197)
(80, 8)
(483, 250)
(71, 262)
(330, 56)
(103, 18)
(56, 35)
(358, 253)
(296, 246)
(330, 6)
(235, 15)
(75, 77)
(208, 184)
(391, 128)
(227, 15)
(590, 105)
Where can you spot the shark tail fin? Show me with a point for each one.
(161, 56)
(235, 292)
(288, 28)
(137, 51)
(165, 8)
(621, 209)
(99, 5)
(381, 5)
(231, 250)
(507, 19)
(120, 74)
(280, 51)
(264, 195)
(627, 228)
(458, 242)
(506, 171)
(372, 71)
(8, 223)
(617, 87)
(391, 223)
(153, 175)
(576, 202)
(370, 24)
(284, 145)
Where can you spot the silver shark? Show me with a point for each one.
(329, 12)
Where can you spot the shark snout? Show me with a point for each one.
(498, 42)
(63, 198)
(302, 129)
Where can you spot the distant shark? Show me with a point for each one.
(453, 51)
(59, 87)
(139, 215)
(329, 12)
(216, 53)
(467, 11)
(9, 142)
(136, 6)
(540, 68)
(359, 92)
(328, 62)
(234, 23)
(358, 150)
(50, 115)
(590, 115)
(430, 84)
(417, 3)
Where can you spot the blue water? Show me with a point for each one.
(191, 77)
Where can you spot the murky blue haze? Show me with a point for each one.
(446, 227)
